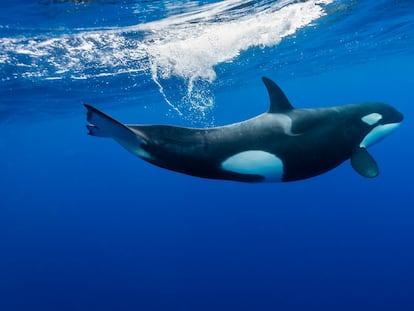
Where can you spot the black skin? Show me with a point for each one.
(322, 139)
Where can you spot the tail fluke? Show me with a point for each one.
(102, 125)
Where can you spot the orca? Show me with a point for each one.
(281, 145)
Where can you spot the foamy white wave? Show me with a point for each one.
(188, 46)
(179, 46)
(191, 45)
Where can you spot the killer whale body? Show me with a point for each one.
(283, 144)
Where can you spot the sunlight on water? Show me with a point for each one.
(187, 46)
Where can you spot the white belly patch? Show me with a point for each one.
(255, 162)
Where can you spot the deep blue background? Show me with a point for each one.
(86, 226)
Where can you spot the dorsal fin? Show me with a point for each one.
(278, 100)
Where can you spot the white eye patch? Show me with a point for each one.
(372, 118)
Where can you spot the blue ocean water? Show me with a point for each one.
(86, 226)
